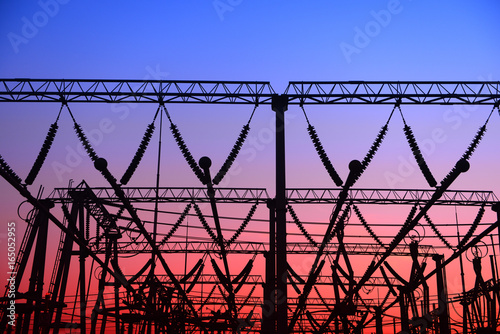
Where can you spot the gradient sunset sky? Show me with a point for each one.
(243, 40)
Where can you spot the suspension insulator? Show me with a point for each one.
(355, 170)
(187, 155)
(341, 222)
(204, 223)
(436, 231)
(232, 155)
(388, 282)
(195, 279)
(85, 142)
(87, 226)
(293, 284)
(138, 155)
(314, 324)
(102, 166)
(411, 214)
(300, 226)
(322, 299)
(242, 276)
(42, 155)
(247, 298)
(419, 157)
(6, 168)
(191, 272)
(97, 236)
(294, 274)
(366, 226)
(324, 158)
(473, 145)
(473, 227)
(222, 278)
(246, 270)
(243, 225)
(373, 149)
(461, 166)
(177, 224)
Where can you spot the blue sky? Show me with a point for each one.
(250, 40)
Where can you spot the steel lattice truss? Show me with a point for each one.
(342, 274)
(249, 92)
(296, 195)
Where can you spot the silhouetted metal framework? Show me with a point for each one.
(292, 248)
(249, 92)
(391, 92)
(347, 312)
(294, 195)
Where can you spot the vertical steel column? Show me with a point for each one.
(444, 325)
(83, 255)
(493, 313)
(280, 105)
(34, 295)
(61, 281)
(496, 208)
(269, 301)
(403, 306)
(378, 320)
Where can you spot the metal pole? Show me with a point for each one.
(269, 302)
(83, 255)
(496, 208)
(405, 324)
(280, 105)
(444, 325)
(378, 320)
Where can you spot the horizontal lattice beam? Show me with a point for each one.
(135, 91)
(166, 195)
(391, 92)
(391, 196)
(294, 195)
(249, 92)
(194, 247)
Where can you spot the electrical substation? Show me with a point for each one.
(121, 262)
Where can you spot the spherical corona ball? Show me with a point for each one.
(205, 162)
(100, 164)
(355, 166)
(463, 165)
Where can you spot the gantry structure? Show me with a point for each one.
(152, 295)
